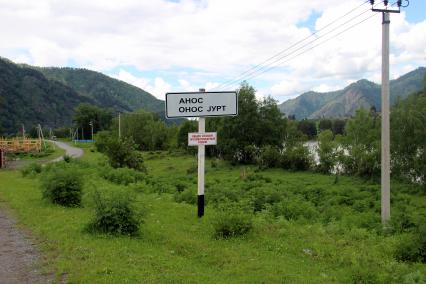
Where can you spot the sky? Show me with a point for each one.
(183, 45)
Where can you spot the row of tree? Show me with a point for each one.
(262, 135)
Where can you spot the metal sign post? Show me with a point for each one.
(201, 104)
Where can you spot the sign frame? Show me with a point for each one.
(203, 94)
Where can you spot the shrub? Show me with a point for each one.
(123, 176)
(121, 152)
(232, 222)
(412, 246)
(67, 158)
(180, 186)
(327, 152)
(293, 210)
(269, 157)
(296, 158)
(188, 196)
(363, 275)
(114, 214)
(31, 170)
(263, 197)
(63, 186)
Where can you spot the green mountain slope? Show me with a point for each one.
(104, 90)
(33, 95)
(344, 103)
(28, 97)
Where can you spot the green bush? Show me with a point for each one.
(412, 246)
(269, 157)
(263, 197)
(232, 222)
(296, 158)
(187, 195)
(122, 176)
(114, 214)
(363, 275)
(295, 209)
(120, 152)
(327, 152)
(31, 170)
(67, 158)
(63, 186)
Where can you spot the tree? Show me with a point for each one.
(408, 144)
(120, 152)
(325, 124)
(87, 113)
(362, 142)
(258, 124)
(338, 126)
(327, 151)
(238, 133)
(146, 130)
(182, 136)
(308, 127)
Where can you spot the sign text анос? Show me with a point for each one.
(198, 104)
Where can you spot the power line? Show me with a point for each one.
(291, 46)
(308, 49)
(260, 67)
(260, 70)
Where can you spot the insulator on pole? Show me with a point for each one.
(372, 2)
(385, 2)
(399, 3)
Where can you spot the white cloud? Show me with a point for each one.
(323, 88)
(210, 38)
(158, 87)
(131, 79)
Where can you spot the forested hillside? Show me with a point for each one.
(48, 96)
(104, 90)
(28, 97)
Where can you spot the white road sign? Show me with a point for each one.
(207, 138)
(199, 104)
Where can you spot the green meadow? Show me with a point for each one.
(306, 227)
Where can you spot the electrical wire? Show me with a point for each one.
(293, 45)
(308, 49)
(260, 68)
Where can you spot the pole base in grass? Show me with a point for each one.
(200, 206)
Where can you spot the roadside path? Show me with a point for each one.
(69, 150)
(18, 254)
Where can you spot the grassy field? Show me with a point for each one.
(326, 237)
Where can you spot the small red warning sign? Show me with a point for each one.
(208, 138)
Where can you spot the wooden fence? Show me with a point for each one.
(20, 145)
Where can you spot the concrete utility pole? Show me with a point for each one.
(385, 170)
(91, 125)
(201, 158)
(385, 132)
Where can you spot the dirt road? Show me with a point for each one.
(18, 254)
(69, 150)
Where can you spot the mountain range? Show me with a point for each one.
(345, 102)
(32, 95)
(48, 96)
